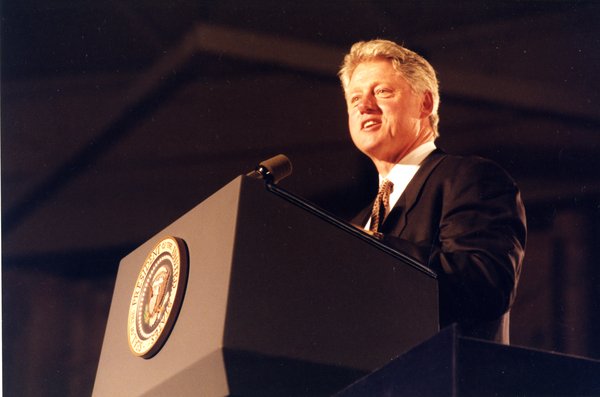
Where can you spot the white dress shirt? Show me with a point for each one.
(403, 172)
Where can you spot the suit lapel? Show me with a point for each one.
(398, 216)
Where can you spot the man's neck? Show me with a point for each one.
(384, 166)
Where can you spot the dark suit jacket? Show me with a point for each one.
(463, 217)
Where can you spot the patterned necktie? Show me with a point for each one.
(381, 206)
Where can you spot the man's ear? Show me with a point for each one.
(426, 104)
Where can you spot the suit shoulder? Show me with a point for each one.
(474, 167)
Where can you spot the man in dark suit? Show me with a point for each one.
(460, 216)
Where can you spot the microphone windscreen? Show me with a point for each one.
(279, 167)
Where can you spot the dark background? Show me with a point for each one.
(119, 116)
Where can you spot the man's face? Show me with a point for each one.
(385, 116)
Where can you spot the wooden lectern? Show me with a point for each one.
(281, 299)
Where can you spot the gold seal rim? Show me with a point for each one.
(147, 344)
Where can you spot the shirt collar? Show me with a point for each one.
(412, 159)
(417, 156)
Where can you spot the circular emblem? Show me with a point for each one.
(157, 297)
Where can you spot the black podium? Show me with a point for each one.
(281, 299)
(454, 366)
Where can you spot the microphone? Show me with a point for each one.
(273, 170)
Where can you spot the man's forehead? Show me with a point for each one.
(373, 71)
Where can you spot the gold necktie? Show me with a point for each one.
(381, 205)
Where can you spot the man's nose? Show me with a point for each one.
(367, 104)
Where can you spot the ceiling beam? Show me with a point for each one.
(505, 90)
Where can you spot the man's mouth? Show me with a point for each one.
(370, 124)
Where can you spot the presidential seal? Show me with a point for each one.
(157, 297)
